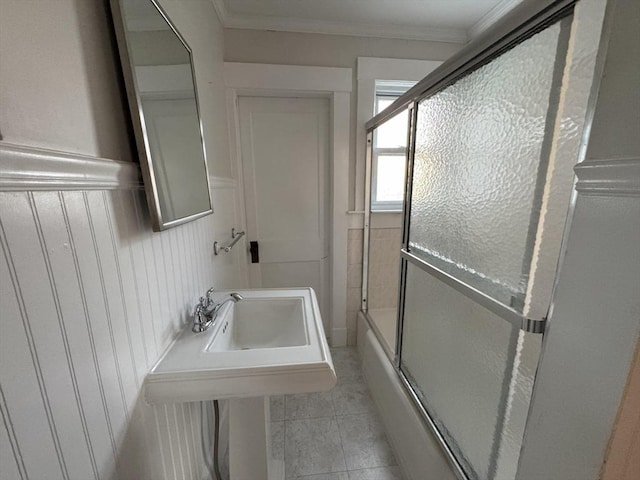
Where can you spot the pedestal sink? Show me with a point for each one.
(270, 343)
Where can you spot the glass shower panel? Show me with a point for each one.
(384, 222)
(517, 404)
(457, 355)
(478, 156)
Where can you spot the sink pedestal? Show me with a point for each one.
(270, 343)
(250, 441)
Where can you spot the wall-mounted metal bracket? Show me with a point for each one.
(236, 236)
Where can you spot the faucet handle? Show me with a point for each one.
(210, 293)
(200, 320)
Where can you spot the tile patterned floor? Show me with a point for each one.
(335, 435)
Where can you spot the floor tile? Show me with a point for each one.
(352, 398)
(347, 364)
(308, 405)
(364, 442)
(325, 434)
(312, 446)
(277, 407)
(277, 440)
(380, 473)
(355, 377)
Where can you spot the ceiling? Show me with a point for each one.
(437, 20)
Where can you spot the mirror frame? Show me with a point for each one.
(145, 158)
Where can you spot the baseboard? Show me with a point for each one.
(339, 337)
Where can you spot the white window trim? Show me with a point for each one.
(370, 69)
(393, 88)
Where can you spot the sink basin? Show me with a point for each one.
(270, 343)
(262, 323)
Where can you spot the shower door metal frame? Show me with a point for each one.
(524, 21)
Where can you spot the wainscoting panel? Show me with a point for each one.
(90, 298)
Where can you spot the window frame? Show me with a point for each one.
(386, 90)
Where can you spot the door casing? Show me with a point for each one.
(285, 170)
(335, 84)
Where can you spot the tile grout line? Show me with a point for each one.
(334, 418)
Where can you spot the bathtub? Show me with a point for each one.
(383, 322)
(416, 449)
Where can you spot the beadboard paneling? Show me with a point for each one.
(90, 298)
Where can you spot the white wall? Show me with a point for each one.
(198, 23)
(90, 297)
(257, 46)
(59, 86)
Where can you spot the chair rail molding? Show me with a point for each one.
(38, 169)
(618, 177)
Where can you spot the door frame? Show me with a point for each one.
(335, 84)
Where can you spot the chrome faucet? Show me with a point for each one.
(206, 311)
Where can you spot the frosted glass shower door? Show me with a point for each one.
(478, 172)
(458, 356)
(479, 159)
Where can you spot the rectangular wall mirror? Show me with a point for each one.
(158, 68)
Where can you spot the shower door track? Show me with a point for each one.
(522, 22)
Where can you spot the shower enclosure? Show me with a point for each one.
(386, 174)
(475, 259)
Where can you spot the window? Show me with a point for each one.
(389, 150)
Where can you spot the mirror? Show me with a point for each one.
(158, 68)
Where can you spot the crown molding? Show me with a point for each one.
(300, 25)
(491, 17)
(31, 168)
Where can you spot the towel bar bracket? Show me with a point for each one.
(235, 238)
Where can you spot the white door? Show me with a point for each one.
(284, 147)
